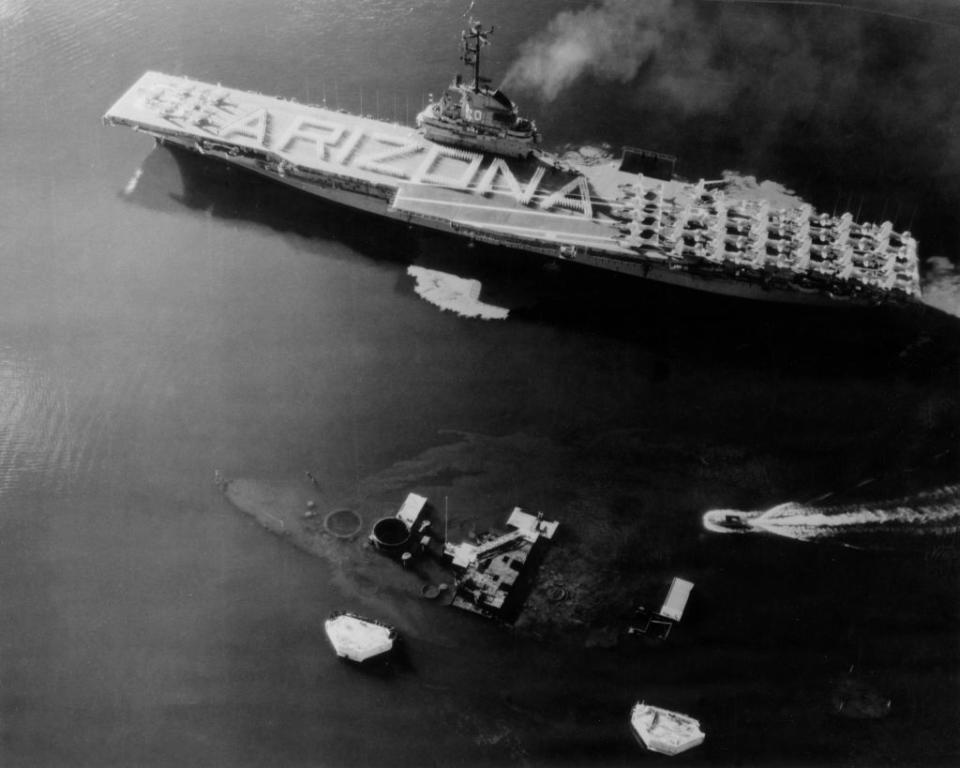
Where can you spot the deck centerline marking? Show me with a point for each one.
(518, 211)
(513, 227)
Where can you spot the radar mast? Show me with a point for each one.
(471, 41)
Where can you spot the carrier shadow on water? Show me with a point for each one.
(173, 178)
(866, 355)
(684, 337)
(915, 340)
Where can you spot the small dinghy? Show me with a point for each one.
(663, 731)
(358, 639)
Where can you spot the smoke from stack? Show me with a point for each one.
(868, 93)
(611, 41)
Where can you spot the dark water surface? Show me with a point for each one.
(210, 320)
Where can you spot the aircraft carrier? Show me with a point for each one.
(489, 183)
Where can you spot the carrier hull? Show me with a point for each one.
(387, 169)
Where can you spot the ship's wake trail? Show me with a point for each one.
(932, 513)
(941, 287)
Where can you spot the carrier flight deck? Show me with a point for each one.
(704, 235)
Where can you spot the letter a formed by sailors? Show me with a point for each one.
(253, 126)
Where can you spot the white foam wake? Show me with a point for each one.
(941, 286)
(933, 513)
(453, 293)
(134, 180)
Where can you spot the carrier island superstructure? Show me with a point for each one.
(703, 235)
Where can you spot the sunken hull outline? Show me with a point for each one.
(315, 150)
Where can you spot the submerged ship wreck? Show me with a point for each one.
(474, 168)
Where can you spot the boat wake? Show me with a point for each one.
(932, 513)
(453, 293)
(941, 286)
(131, 186)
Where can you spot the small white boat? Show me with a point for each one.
(358, 639)
(663, 731)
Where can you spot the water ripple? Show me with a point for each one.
(48, 435)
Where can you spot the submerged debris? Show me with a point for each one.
(857, 699)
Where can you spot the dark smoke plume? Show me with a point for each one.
(692, 46)
(610, 41)
(865, 93)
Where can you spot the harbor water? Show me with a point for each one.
(163, 317)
